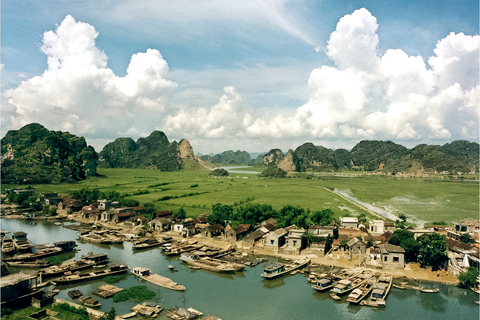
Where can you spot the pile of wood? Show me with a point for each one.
(107, 291)
(147, 309)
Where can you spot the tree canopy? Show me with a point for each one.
(432, 251)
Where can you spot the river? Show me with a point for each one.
(246, 295)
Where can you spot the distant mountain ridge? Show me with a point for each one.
(152, 152)
(33, 154)
(381, 156)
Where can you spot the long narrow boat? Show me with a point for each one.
(70, 267)
(29, 264)
(117, 269)
(361, 291)
(145, 274)
(324, 282)
(36, 255)
(380, 291)
(149, 243)
(94, 238)
(175, 251)
(23, 245)
(347, 285)
(277, 269)
(212, 264)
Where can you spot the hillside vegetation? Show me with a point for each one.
(381, 156)
(34, 154)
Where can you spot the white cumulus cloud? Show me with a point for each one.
(77, 92)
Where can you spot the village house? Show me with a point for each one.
(376, 227)
(324, 231)
(51, 199)
(28, 192)
(276, 239)
(104, 204)
(464, 254)
(234, 234)
(161, 224)
(138, 210)
(374, 257)
(356, 246)
(121, 217)
(318, 248)
(163, 214)
(18, 289)
(349, 222)
(213, 231)
(294, 242)
(249, 240)
(185, 227)
(420, 232)
(389, 226)
(392, 256)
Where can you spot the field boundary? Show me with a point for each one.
(373, 213)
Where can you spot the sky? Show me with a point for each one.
(247, 75)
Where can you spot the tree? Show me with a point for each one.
(400, 223)
(288, 214)
(469, 279)
(406, 240)
(109, 315)
(180, 213)
(149, 210)
(322, 218)
(466, 238)
(220, 213)
(432, 252)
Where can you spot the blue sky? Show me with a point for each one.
(252, 75)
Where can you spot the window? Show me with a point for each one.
(272, 241)
(396, 259)
(385, 259)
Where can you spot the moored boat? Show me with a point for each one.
(145, 274)
(326, 281)
(278, 269)
(212, 264)
(113, 270)
(179, 249)
(74, 294)
(29, 264)
(346, 285)
(361, 291)
(65, 268)
(88, 301)
(149, 243)
(8, 246)
(380, 291)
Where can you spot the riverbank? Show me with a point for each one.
(412, 271)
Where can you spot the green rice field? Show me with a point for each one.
(422, 200)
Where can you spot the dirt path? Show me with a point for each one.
(373, 213)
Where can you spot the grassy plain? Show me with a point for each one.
(421, 199)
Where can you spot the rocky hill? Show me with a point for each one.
(34, 154)
(229, 157)
(382, 156)
(152, 152)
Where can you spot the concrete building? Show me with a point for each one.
(349, 222)
(392, 256)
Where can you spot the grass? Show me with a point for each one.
(114, 279)
(65, 311)
(58, 259)
(421, 199)
(137, 294)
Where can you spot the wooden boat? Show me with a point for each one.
(74, 278)
(177, 313)
(29, 264)
(148, 243)
(145, 274)
(94, 238)
(96, 259)
(68, 267)
(8, 247)
(88, 301)
(326, 281)
(398, 286)
(36, 255)
(347, 285)
(361, 291)
(107, 291)
(380, 291)
(128, 315)
(177, 250)
(430, 290)
(148, 309)
(74, 294)
(278, 269)
(212, 264)
(334, 296)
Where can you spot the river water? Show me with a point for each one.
(245, 295)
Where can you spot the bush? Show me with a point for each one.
(137, 294)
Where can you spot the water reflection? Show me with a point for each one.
(274, 283)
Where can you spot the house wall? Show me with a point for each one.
(393, 260)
